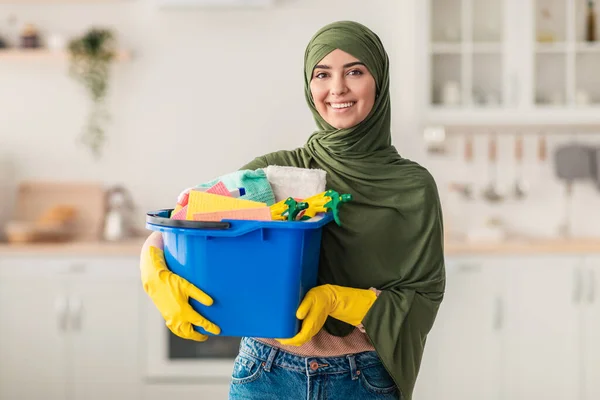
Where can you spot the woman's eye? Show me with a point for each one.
(320, 75)
(355, 72)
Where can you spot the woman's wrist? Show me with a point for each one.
(360, 326)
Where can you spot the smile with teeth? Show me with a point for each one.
(339, 106)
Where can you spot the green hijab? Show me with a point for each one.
(391, 236)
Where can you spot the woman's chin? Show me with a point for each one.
(343, 124)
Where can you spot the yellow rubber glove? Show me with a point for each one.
(170, 294)
(343, 303)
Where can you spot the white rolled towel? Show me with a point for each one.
(295, 182)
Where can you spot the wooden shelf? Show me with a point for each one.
(124, 248)
(12, 54)
(57, 2)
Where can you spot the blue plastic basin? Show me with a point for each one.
(257, 272)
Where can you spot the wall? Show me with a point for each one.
(207, 91)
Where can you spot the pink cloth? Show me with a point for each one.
(325, 345)
(219, 188)
(181, 214)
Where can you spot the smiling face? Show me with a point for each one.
(343, 89)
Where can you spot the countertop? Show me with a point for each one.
(132, 247)
(129, 247)
(524, 246)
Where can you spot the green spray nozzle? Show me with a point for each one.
(294, 208)
(325, 202)
(335, 202)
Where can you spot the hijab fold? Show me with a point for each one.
(391, 236)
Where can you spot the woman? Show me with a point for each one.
(381, 274)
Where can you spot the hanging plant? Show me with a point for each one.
(91, 58)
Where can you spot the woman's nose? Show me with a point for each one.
(338, 86)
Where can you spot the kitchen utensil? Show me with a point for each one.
(521, 187)
(573, 162)
(451, 93)
(492, 192)
(468, 155)
(596, 166)
(120, 208)
(435, 139)
(542, 148)
(465, 189)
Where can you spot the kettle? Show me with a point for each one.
(119, 211)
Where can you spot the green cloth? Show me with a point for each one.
(391, 236)
(255, 183)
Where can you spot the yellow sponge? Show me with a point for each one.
(202, 202)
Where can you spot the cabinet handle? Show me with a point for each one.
(75, 308)
(592, 292)
(61, 306)
(499, 314)
(577, 286)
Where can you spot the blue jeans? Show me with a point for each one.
(262, 372)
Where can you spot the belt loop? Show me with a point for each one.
(353, 371)
(270, 359)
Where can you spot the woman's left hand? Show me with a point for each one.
(346, 304)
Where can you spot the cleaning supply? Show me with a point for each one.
(180, 213)
(287, 209)
(221, 189)
(295, 182)
(343, 303)
(234, 260)
(180, 210)
(170, 294)
(253, 214)
(255, 184)
(329, 200)
(202, 202)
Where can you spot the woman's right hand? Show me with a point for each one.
(170, 294)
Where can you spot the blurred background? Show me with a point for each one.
(110, 108)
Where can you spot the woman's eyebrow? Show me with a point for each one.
(352, 64)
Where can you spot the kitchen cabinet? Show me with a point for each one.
(543, 329)
(32, 344)
(518, 62)
(516, 327)
(187, 391)
(71, 326)
(590, 328)
(463, 355)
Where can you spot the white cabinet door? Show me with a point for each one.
(543, 328)
(463, 351)
(105, 331)
(208, 391)
(32, 338)
(591, 330)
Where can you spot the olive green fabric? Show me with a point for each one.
(391, 236)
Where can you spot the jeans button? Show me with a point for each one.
(314, 365)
